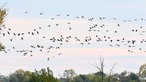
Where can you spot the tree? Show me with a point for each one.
(142, 72)
(123, 76)
(20, 76)
(100, 67)
(1, 47)
(81, 78)
(110, 73)
(84, 78)
(4, 78)
(78, 79)
(69, 75)
(94, 78)
(133, 77)
(43, 76)
(101, 73)
(2, 16)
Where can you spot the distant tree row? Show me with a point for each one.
(44, 75)
(101, 76)
(69, 75)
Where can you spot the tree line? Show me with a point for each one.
(69, 75)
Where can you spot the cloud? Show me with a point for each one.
(99, 51)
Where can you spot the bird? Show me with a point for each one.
(48, 58)
(26, 12)
(41, 13)
(67, 15)
(133, 41)
(70, 28)
(57, 24)
(21, 38)
(13, 47)
(118, 24)
(37, 32)
(45, 40)
(11, 39)
(58, 14)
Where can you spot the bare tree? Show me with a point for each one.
(110, 73)
(100, 67)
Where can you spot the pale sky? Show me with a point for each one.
(74, 55)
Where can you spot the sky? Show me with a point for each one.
(79, 58)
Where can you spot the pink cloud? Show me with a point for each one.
(100, 51)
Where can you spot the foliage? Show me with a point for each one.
(68, 75)
(96, 77)
(1, 47)
(20, 76)
(142, 72)
(47, 76)
(4, 78)
(43, 76)
(2, 16)
(26, 76)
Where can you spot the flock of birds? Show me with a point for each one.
(98, 32)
